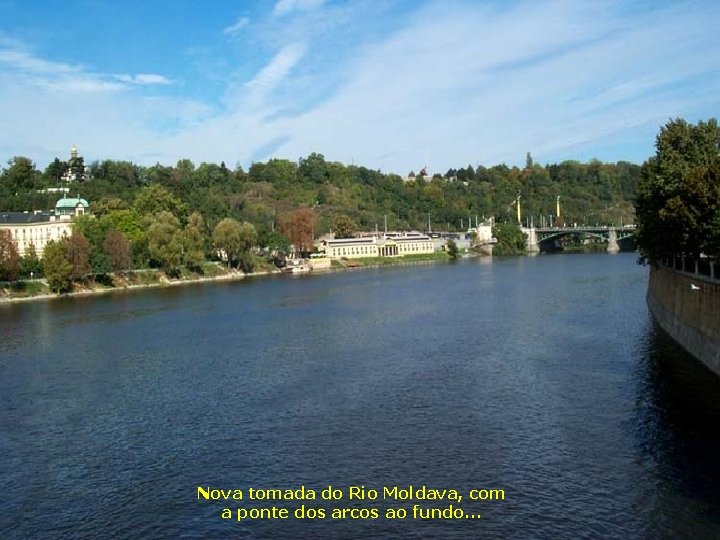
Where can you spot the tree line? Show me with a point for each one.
(172, 217)
(593, 192)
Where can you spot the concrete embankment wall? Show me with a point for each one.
(690, 315)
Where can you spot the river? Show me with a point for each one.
(541, 376)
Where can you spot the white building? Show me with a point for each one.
(39, 228)
(386, 245)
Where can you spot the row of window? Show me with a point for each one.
(35, 232)
(372, 250)
(359, 250)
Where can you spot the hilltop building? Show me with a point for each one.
(76, 171)
(41, 227)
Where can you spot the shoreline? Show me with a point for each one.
(230, 276)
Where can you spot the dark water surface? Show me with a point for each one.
(541, 376)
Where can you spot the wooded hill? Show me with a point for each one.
(591, 193)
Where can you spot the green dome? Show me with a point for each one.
(70, 203)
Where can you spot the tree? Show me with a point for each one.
(344, 227)
(9, 258)
(153, 199)
(56, 266)
(117, 250)
(165, 242)
(452, 249)
(234, 239)
(55, 170)
(21, 174)
(678, 196)
(510, 239)
(108, 204)
(314, 169)
(248, 239)
(30, 264)
(194, 241)
(299, 227)
(94, 230)
(131, 225)
(275, 242)
(78, 254)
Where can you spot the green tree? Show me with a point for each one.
(510, 239)
(344, 227)
(9, 258)
(678, 196)
(194, 241)
(108, 204)
(452, 249)
(30, 264)
(21, 174)
(56, 266)
(314, 169)
(275, 242)
(234, 239)
(55, 170)
(130, 223)
(94, 230)
(153, 199)
(165, 242)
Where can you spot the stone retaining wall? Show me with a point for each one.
(687, 306)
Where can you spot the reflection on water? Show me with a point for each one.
(678, 434)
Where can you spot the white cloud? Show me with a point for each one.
(278, 68)
(462, 84)
(451, 83)
(284, 7)
(238, 25)
(64, 77)
(24, 61)
(143, 79)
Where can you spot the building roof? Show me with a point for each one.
(20, 218)
(67, 202)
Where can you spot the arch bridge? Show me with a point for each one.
(535, 236)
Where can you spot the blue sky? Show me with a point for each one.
(391, 85)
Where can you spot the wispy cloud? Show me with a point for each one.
(491, 84)
(238, 25)
(284, 7)
(450, 82)
(64, 77)
(278, 68)
(143, 79)
(24, 61)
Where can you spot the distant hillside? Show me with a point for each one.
(592, 192)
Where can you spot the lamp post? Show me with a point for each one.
(518, 209)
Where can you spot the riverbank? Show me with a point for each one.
(127, 281)
(32, 290)
(687, 307)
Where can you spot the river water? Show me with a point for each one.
(541, 376)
